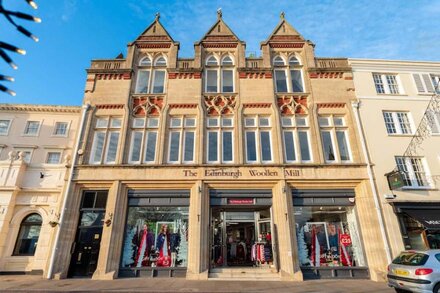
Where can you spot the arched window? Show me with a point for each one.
(288, 79)
(28, 235)
(151, 80)
(294, 61)
(219, 79)
(211, 61)
(278, 61)
(161, 61)
(146, 61)
(227, 61)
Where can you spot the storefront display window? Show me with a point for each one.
(328, 236)
(156, 237)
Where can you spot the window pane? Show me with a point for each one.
(27, 239)
(266, 153)
(286, 121)
(98, 143)
(297, 84)
(4, 126)
(112, 147)
(150, 146)
(280, 80)
(189, 146)
(176, 122)
(343, 145)
(289, 146)
(392, 84)
(404, 123)
(249, 122)
(159, 80)
(304, 145)
(378, 83)
(226, 122)
(228, 82)
(53, 158)
(419, 172)
(294, 61)
(264, 122)
(212, 122)
(324, 121)
(161, 62)
(401, 165)
(227, 146)
(138, 122)
(174, 146)
(329, 153)
(32, 127)
(142, 82)
(115, 123)
(278, 61)
(211, 81)
(251, 148)
(338, 121)
(211, 61)
(389, 122)
(145, 62)
(190, 122)
(153, 122)
(212, 146)
(60, 128)
(136, 146)
(227, 61)
(301, 121)
(101, 123)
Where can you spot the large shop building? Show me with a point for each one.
(196, 167)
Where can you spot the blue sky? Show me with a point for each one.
(75, 31)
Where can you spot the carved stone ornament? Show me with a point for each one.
(289, 104)
(220, 105)
(148, 105)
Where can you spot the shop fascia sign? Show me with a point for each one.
(236, 173)
(240, 201)
(395, 179)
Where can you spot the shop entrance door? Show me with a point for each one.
(86, 252)
(241, 238)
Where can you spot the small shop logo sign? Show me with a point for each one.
(241, 201)
(345, 239)
(433, 222)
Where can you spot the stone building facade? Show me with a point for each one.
(395, 99)
(35, 149)
(196, 167)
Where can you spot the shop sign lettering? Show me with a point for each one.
(238, 173)
(345, 239)
(433, 222)
(240, 201)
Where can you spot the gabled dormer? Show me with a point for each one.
(152, 42)
(220, 40)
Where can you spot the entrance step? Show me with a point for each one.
(244, 274)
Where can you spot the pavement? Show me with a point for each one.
(30, 283)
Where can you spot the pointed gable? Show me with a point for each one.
(220, 35)
(155, 35)
(284, 35)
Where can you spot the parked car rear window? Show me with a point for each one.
(411, 259)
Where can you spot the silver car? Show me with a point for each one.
(415, 271)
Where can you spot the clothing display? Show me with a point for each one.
(145, 241)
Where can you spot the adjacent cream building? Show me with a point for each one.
(35, 148)
(393, 98)
(220, 165)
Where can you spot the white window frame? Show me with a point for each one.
(107, 130)
(219, 68)
(183, 129)
(386, 85)
(152, 68)
(396, 122)
(220, 129)
(287, 68)
(332, 129)
(294, 128)
(53, 152)
(40, 122)
(257, 129)
(9, 127)
(423, 78)
(412, 175)
(144, 130)
(55, 129)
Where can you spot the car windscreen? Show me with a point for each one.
(411, 259)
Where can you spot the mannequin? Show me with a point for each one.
(145, 240)
(163, 246)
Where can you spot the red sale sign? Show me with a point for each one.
(239, 201)
(345, 239)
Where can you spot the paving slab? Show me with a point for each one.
(161, 285)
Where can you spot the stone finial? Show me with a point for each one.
(219, 13)
(21, 156)
(67, 159)
(282, 15)
(157, 16)
(11, 155)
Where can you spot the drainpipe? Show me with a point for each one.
(85, 108)
(355, 105)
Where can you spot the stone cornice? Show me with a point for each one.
(39, 108)
(394, 65)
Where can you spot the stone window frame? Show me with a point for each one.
(257, 128)
(287, 68)
(152, 67)
(182, 129)
(220, 67)
(395, 125)
(220, 128)
(107, 129)
(333, 129)
(295, 128)
(145, 129)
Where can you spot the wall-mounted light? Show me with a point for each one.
(108, 222)
(41, 175)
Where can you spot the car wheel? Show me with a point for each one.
(436, 288)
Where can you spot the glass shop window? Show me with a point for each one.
(328, 237)
(156, 237)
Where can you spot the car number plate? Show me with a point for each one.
(401, 272)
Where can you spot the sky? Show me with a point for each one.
(73, 32)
